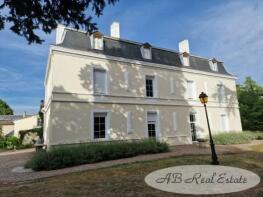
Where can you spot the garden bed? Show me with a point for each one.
(63, 157)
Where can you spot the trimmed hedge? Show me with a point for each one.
(237, 137)
(63, 157)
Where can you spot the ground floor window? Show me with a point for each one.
(100, 125)
(193, 126)
(152, 124)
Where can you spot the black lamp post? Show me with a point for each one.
(204, 99)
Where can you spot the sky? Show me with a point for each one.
(231, 31)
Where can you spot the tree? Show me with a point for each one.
(28, 16)
(5, 109)
(250, 97)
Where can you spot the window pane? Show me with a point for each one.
(99, 125)
(149, 87)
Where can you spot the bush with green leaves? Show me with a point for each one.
(9, 142)
(63, 157)
(237, 137)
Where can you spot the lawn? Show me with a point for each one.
(128, 180)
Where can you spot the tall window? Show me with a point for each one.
(220, 92)
(190, 90)
(149, 82)
(99, 81)
(100, 125)
(152, 124)
(193, 126)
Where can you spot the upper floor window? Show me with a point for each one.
(99, 81)
(185, 59)
(150, 86)
(97, 40)
(213, 64)
(190, 89)
(146, 51)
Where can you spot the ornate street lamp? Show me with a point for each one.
(204, 99)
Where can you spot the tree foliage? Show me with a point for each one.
(28, 16)
(250, 97)
(5, 109)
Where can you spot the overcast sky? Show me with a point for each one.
(231, 31)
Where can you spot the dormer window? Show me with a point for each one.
(185, 58)
(146, 50)
(97, 40)
(213, 65)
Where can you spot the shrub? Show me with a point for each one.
(9, 142)
(62, 157)
(237, 137)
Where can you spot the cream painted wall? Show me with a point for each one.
(71, 122)
(68, 114)
(25, 124)
(73, 74)
(6, 129)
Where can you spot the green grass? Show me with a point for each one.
(63, 157)
(237, 137)
(128, 180)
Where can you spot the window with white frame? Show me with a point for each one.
(221, 92)
(190, 90)
(150, 84)
(213, 65)
(98, 43)
(146, 53)
(185, 59)
(193, 125)
(99, 81)
(152, 124)
(100, 125)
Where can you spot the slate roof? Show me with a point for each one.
(10, 118)
(131, 50)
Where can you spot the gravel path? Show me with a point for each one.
(11, 160)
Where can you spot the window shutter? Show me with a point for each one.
(129, 122)
(172, 85)
(99, 81)
(174, 121)
(126, 79)
(190, 89)
(205, 87)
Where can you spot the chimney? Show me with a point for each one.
(184, 46)
(115, 30)
(60, 33)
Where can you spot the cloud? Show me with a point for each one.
(233, 32)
